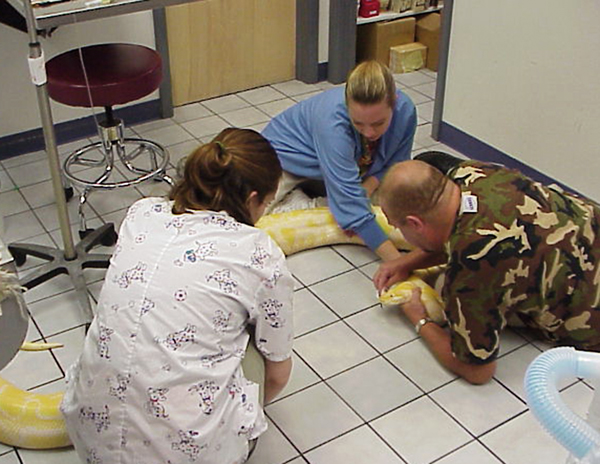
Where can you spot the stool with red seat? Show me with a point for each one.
(107, 75)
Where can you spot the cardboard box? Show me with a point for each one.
(428, 33)
(419, 5)
(400, 6)
(374, 40)
(407, 58)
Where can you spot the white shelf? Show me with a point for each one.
(388, 15)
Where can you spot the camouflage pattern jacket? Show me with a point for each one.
(521, 249)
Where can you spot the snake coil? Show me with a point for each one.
(33, 420)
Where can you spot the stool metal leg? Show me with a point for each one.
(82, 222)
(58, 264)
(113, 142)
(113, 148)
(106, 162)
(166, 178)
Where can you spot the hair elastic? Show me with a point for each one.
(221, 146)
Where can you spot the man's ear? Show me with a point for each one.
(415, 222)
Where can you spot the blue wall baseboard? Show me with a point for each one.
(481, 151)
(33, 140)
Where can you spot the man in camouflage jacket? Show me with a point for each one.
(513, 248)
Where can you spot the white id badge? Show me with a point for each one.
(468, 203)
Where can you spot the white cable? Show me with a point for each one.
(87, 85)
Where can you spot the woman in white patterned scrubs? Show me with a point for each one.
(160, 379)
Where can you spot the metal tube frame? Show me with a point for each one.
(73, 258)
(35, 52)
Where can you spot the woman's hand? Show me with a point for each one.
(277, 375)
(370, 184)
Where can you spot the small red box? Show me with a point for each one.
(368, 8)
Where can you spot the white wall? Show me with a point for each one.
(524, 77)
(18, 102)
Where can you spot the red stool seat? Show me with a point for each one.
(116, 74)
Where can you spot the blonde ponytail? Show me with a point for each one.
(371, 82)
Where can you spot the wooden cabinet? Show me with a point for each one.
(218, 47)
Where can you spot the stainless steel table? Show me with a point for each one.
(48, 14)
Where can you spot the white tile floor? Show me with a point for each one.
(364, 388)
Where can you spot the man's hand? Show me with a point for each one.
(438, 341)
(414, 310)
(389, 273)
(398, 269)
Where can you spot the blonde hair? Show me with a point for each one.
(221, 174)
(371, 82)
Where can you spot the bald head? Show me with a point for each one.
(412, 188)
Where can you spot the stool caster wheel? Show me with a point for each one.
(84, 233)
(110, 238)
(19, 257)
(69, 192)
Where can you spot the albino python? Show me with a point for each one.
(33, 420)
(305, 229)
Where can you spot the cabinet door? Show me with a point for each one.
(221, 46)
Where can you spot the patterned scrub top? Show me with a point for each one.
(159, 379)
(528, 251)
